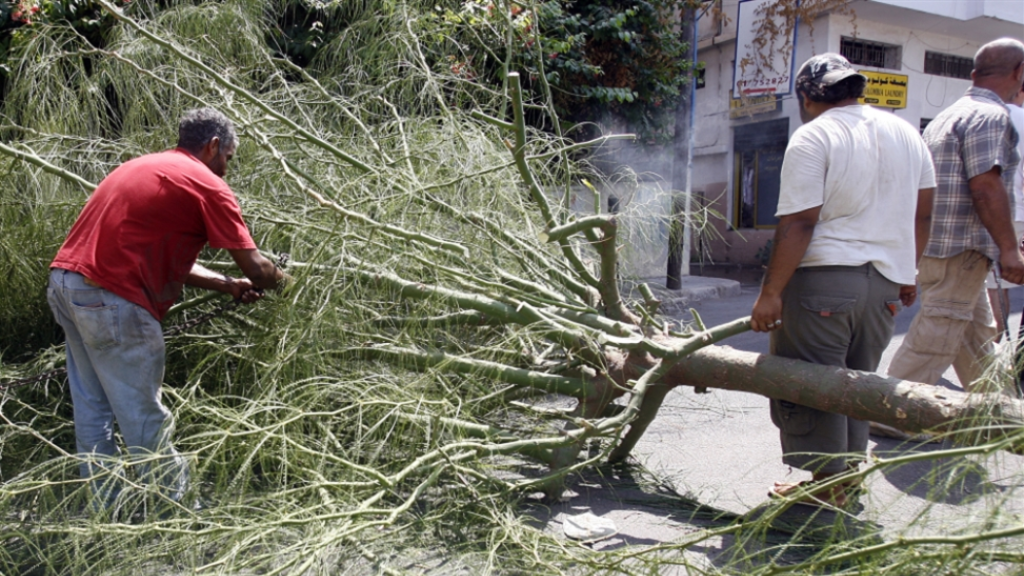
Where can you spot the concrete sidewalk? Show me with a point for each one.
(718, 453)
(693, 289)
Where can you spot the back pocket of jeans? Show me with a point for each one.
(97, 325)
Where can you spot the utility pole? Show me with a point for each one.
(680, 231)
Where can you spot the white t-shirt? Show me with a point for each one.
(1017, 117)
(864, 168)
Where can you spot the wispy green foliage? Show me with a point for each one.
(387, 413)
(300, 442)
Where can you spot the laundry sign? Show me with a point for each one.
(885, 90)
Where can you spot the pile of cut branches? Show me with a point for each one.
(455, 335)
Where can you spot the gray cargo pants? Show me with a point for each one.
(838, 316)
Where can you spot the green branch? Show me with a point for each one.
(519, 153)
(523, 314)
(559, 233)
(422, 360)
(35, 160)
(492, 120)
(708, 337)
(464, 318)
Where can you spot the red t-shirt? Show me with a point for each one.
(142, 229)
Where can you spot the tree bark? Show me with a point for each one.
(908, 406)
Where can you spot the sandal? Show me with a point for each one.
(805, 493)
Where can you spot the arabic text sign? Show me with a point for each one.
(752, 105)
(766, 69)
(885, 90)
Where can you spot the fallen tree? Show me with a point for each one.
(454, 321)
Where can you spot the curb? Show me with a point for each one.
(692, 289)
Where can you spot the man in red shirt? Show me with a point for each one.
(122, 266)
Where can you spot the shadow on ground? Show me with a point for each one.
(650, 512)
(943, 480)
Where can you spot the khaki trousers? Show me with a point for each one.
(955, 325)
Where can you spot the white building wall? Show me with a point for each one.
(927, 94)
(713, 154)
(957, 27)
(1011, 10)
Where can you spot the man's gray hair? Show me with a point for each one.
(998, 58)
(200, 125)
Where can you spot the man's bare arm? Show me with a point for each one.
(792, 236)
(259, 271)
(239, 288)
(923, 220)
(257, 268)
(922, 232)
(992, 204)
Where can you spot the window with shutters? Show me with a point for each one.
(948, 65)
(867, 53)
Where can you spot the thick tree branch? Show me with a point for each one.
(519, 153)
(908, 406)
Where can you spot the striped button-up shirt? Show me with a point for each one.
(969, 138)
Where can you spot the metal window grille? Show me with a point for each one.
(867, 53)
(948, 65)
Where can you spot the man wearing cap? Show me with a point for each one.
(854, 208)
(973, 143)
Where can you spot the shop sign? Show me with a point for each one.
(751, 105)
(885, 90)
(761, 69)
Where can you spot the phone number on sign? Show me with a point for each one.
(762, 84)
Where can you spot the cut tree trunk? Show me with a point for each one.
(908, 406)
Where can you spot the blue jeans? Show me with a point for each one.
(115, 356)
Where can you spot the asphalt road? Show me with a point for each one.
(721, 450)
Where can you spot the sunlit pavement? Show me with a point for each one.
(721, 450)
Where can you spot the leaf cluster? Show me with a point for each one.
(600, 60)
